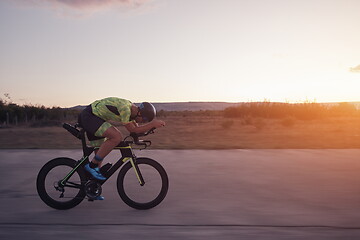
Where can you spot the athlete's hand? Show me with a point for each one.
(157, 123)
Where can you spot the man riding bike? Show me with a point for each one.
(100, 120)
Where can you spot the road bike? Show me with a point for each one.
(142, 183)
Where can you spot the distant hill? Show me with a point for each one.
(356, 104)
(193, 106)
(197, 106)
(185, 106)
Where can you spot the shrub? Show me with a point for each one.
(227, 124)
(302, 111)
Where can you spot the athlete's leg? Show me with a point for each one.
(113, 138)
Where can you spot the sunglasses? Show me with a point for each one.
(144, 119)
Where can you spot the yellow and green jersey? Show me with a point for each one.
(112, 108)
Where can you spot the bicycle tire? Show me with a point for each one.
(158, 169)
(42, 179)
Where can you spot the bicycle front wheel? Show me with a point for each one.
(53, 192)
(151, 193)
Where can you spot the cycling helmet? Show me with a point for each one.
(147, 111)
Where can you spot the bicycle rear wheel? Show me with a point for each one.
(57, 195)
(151, 193)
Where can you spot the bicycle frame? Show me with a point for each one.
(127, 154)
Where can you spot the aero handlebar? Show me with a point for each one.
(137, 141)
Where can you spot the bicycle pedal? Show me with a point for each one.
(90, 199)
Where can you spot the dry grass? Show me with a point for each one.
(213, 132)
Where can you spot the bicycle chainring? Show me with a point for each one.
(92, 189)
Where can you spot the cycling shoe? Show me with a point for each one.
(95, 172)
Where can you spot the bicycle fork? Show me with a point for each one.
(136, 169)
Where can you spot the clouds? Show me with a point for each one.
(91, 4)
(355, 69)
(84, 6)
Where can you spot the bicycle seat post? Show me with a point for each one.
(86, 150)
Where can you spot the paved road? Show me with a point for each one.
(225, 194)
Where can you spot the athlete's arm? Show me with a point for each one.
(134, 127)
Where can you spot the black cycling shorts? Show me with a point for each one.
(90, 123)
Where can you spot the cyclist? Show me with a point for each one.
(100, 120)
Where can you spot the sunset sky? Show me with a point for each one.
(72, 52)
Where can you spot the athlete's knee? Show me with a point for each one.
(114, 136)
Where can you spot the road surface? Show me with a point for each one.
(213, 194)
